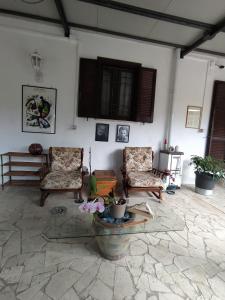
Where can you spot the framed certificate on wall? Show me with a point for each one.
(193, 117)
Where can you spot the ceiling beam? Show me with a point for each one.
(104, 31)
(63, 17)
(151, 14)
(208, 35)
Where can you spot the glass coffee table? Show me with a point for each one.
(112, 239)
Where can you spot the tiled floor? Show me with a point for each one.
(188, 264)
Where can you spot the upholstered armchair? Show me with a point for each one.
(138, 173)
(64, 173)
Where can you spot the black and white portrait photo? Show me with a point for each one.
(102, 132)
(122, 133)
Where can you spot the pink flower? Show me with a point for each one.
(92, 207)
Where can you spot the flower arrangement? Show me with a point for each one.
(92, 206)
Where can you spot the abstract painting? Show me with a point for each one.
(39, 109)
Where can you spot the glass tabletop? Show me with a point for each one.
(75, 224)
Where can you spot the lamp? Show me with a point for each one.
(36, 61)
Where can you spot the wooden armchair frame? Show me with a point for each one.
(45, 170)
(156, 191)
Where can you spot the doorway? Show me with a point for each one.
(216, 132)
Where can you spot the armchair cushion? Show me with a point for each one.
(138, 159)
(65, 158)
(143, 179)
(62, 180)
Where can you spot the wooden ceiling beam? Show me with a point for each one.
(207, 35)
(63, 18)
(116, 5)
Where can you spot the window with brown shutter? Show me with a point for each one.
(118, 90)
(146, 95)
(216, 132)
(88, 85)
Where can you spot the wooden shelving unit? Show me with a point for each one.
(16, 162)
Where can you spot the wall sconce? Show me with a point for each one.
(36, 61)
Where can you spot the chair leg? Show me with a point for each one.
(44, 195)
(80, 197)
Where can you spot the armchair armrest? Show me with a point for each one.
(159, 173)
(44, 171)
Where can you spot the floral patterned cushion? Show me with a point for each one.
(138, 158)
(143, 179)
(62, 180)
(65, 158)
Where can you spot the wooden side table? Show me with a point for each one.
(106, 182)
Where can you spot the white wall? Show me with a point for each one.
(193, 86)
(60, 72)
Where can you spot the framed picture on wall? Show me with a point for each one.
(102, 132)
(122, 133)
(193, 117)
(38, 109)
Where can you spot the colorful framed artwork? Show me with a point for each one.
(122, 133)
(38, 109)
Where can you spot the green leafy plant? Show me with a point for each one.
(209, 165)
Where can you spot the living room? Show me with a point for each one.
(180, 83)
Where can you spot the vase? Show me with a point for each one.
(35, 149)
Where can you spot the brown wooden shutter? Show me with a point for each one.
(88, 83)
(216, 135)
(145, 95)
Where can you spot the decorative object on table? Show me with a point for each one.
(207, 170)
(102, 132)
(193, 117)
(165, 145)
(122, 133)
(143, 209)
(171, 148)
(176, 148)
(64, 174)
(35, 149)
(171, 163)
(38, 109)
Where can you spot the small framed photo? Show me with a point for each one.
(102, 132)
(193, 117)
(122, 133)
(38, 109)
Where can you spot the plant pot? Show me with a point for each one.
(204, 183)
(117, 211)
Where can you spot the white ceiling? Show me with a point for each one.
(208, 11)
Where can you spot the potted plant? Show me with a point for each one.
(117, 206)
(208, 170)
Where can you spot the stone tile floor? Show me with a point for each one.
(188, 264)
